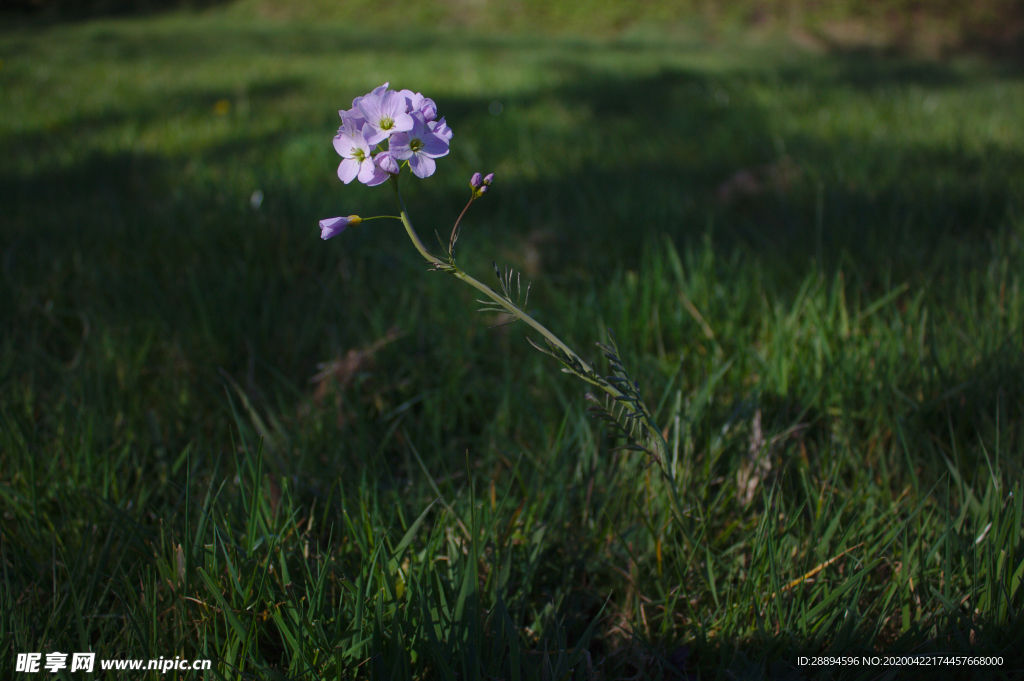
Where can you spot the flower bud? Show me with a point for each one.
(474, 181)
(482, 190)
(489, 178)
(334, 226)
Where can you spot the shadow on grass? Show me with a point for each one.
(37, 13)
(986, 402)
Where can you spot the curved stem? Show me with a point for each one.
(519, 314)
(455, 229)
(408, 227)
(487, 290)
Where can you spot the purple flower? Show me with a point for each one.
(335, 226)
(385, 114)
(357, 161)
(407, 118)
(419, 146)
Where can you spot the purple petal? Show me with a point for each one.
(378, 177)
(413, 100)
(370, 108)
(374, 135)
(439, 127)
(422, 166)
(434, 145)
(342, 144)
(428, 109)
(398, 146)
(392, 104)
(332, 227)
(351, 122)
(419, 124)
(403, 122)
(375, 92)
(348, 170)
(387, 163)
(367, 170)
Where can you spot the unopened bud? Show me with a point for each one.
(474, 181)
(482, 190)
(489, 178)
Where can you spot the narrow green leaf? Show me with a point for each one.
(411, 533)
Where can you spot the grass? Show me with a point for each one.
(812, 264)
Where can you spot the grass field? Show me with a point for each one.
(223, 438)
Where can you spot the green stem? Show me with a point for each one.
(455, 229)
(408, 227)
(487, 290)
(514, 311)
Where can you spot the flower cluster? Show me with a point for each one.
(479, 184)
(406, 120)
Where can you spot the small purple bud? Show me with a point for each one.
(489, 178)
(482, 190)
(474, 181)
(335, 226)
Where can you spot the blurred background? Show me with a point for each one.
(928, 26)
